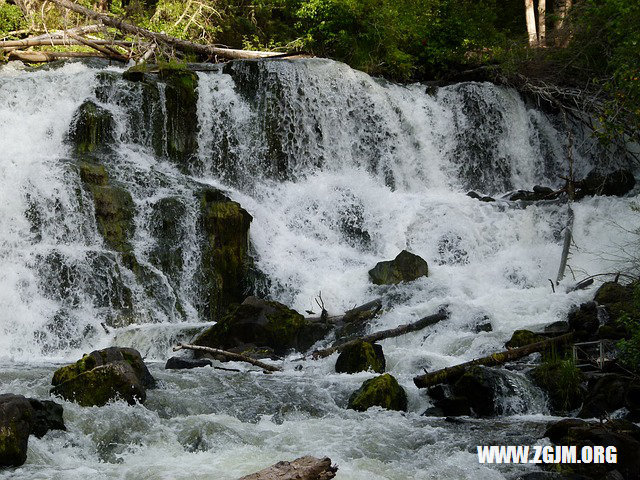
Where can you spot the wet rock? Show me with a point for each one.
(91, 129)
(473, 194)
(557, 328)
(263, 323)
(104, 375)
(487, 199)
(483, 324)
(406, 267)
(480, 386)
(605, 394)
(450, 407)
(521, 338)
(584, 321)
(625, 436)
(562, 382)
(16, 418)
(181, 363)
(361, 357)
(617, 299)
(225, 258)
(47, 415)
(382, 391)
(102, 384)
(617, 183)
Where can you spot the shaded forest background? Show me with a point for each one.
(584, 54)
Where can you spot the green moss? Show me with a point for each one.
(360, 357)
(283, 325)
(406, 267)
(93, 174)
(136, 73)
(382, 391)
(92, 128)
(70, 372)
(521, 338)
(562, 381)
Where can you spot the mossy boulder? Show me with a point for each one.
(522, 338)
(406, 267)
(484, 387)
(382, 391)
(47, 415)
(102, 384)
(103, 357)
(16, 417)
(562, 381)
(102, 376)
(360, 357)
(225, 258)
(91, 129)
(617, 299)
(262, 323)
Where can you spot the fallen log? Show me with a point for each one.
(452, 373)
(108, 52)
(303, 468)
(381, 335)
(181, 45)
(41, 57)
(568, 235)
(44, 42)
(230, 355)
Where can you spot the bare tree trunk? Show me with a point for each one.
(451, 373)
(562, 10)
(304, 468)
(530, 15)
(182, 45)
(229, 355)
(393, 332)
(542, 19)
(31, 42)
(41, 57)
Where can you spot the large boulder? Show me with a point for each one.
(47, 415)
(104, 375)
(91, 129)
(16, 418)
(263, 323)
(100, 385)
(182, 363)
(382, 391)
(483, 387)
(406, 267)
(360, 357)
(606, 394)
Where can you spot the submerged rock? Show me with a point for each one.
(16, 418)
(104, 375)
(181, 363)
(406, 267)
(361, 357)
(263, 323)
(382, 391)
(47, 415)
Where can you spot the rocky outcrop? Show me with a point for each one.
(91, 129)
(262, 323)
(406, 267)
(21, 417)
(610, 392)
(382, 391)
(360, 357)
(103, 376)
(225, 257)
(625, 436)
(617, 183)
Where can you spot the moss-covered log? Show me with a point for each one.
(452, 373)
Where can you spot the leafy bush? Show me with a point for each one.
(11, 19)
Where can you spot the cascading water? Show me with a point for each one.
(339, 171)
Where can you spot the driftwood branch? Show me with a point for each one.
(304, 468)
(100, 48)
(452, 373)
(181, 45)
(51, 41)
(568, 235)
(230, 355)
(393, 332)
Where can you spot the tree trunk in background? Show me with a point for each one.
(542, 18)
(530, 15)
(562, 10)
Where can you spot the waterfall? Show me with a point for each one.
(338, 171)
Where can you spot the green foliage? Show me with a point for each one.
(11, 19)
(562, 381)
(629, 347)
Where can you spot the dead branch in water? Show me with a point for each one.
(230, 355)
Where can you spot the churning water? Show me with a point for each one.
(339, 171)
